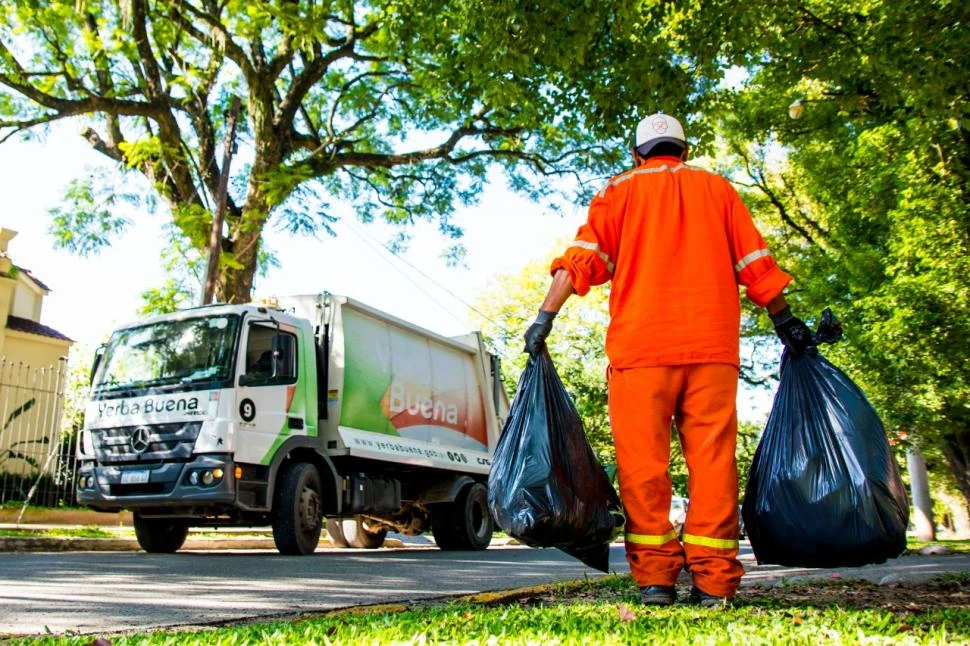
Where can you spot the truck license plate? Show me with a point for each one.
(134, 477)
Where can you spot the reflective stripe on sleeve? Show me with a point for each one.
(651, 539)
(718, 543)
(750, 258)
(592, 246)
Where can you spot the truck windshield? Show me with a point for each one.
(172, 354)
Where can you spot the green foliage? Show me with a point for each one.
(89, 531)
(864, 197)
(185, 268)
(961, 546)
(88, 221)
(171, 296)
(76, 385)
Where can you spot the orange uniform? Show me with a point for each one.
(675, 241)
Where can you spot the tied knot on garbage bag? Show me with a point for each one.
(546, 487)
(823, 488)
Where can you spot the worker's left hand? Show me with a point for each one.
(535, 336)
(793, 332)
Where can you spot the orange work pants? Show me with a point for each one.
(700, 399)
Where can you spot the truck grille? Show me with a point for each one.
(161, 442)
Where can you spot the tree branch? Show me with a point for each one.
(20, 126)
(105, 83)
(836, 29)
(311, 73)
(233, 51)
(105, 148)
(153, 77)
(762, 184)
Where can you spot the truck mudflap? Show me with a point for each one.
(206, 479)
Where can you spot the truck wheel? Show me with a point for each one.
(357, 533)
(160, 535)
(335, 529)
(465, 524)
(297, 516)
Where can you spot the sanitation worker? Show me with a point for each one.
(675, 242)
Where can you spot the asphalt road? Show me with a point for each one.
(107, 592)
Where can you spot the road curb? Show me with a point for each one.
(45, 544)
(499, 597)
(77, 544)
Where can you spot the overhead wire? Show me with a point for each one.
(383, 250)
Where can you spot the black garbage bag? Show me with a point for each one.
(546, 487)
(823, 489)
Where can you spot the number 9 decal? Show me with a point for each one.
(247, 410)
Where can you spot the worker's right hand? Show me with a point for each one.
(535, 336)
(793, 332)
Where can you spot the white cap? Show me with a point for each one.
(655, 129)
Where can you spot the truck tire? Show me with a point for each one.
(297, 514)
(465, 524)
(335, 529)
(358, 534)
(160, 535)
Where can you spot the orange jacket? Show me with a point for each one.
(676, 241)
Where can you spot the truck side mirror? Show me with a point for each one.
(98, 355)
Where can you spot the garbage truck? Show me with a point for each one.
(297, 413)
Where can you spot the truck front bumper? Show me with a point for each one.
(206, 480)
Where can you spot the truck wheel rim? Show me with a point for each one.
(309, 509)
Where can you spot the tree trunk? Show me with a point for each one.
(919, 484)
(956, 449)
(959, 513)
(236, 285)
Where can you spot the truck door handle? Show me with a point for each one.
(295, 423)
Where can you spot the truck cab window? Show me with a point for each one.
(270, 356)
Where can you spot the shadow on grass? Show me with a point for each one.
(949, 591)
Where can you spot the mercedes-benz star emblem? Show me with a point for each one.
(140, 439)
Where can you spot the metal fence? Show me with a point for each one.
(36, 456)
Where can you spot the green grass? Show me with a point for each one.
(18, 504)
(957, 546)
(96, 531)
(593, 612)
(91, 531)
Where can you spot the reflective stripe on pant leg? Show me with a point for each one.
(646, 539)
(642, 402)
(706, 541)
(707, 424)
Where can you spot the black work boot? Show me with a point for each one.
(700, 598)
(658, 595)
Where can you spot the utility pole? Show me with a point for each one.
(215, 236)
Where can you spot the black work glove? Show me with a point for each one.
(535, 336)
(793, 332)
